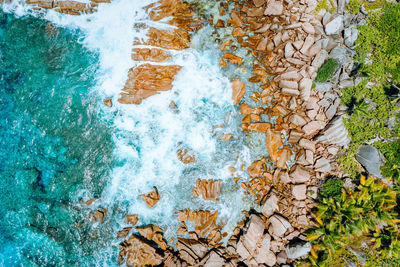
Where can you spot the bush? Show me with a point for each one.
(364, 215)
(326, 70)
(332, 189)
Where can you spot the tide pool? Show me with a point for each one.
(54, 150)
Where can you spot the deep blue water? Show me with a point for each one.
(54, 149)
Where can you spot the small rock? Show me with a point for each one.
(322, 165)
(371, 159)
(289, 51)
(300, 175)
(312, 127)
(279, 225)
(274, 8)
(299, 191)
(308, 28)
(335, 26)
(298, 250)
(270, 206)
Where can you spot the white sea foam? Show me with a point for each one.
(147, 136)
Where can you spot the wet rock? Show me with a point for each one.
(146, 80)
(208, 189)
(151, 198)
(256, 168)
(132, 219)
(185, 155)
(204, 220)
(238, 90)
(298, 250)
(150, 54)
(270, 206)
(335, 26)
(274, 8)
(300, 175)
(97, 216)
(154, 233)
(279, 225)
(139, 253)
(108, 102)
(371, 159)
(273, 142)
(299, 191)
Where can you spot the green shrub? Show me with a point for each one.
(363, 215)
(379, 42)
(354, 6)
(326, 70)
(332, 189)
(328, 5)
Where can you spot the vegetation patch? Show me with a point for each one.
(326, 70)
(332, 189)
(361, 220)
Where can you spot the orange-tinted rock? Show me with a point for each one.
(138, 253)
(98, 215)
(181, 14)
(185, 155)
(71, 7)
(236, 21)
(191, 250)
(238, 90)
(168, 39)
(226, 137)
(259, 127)
(146, 80)
(151, 198)
(124, 232)
(273, 142)
(204, 220)
(245, 109)
(132, 219)
(153, 232)
(233, 59)
(208, 189)
(225, 44)
(150, 54)
(256, 168)
(108, 102)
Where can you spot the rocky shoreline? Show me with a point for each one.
(287, 41)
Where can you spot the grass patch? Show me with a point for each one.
(326, 70)
(328, 5)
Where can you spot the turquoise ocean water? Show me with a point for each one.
(54, 149)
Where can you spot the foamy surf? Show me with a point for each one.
(147, 136)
